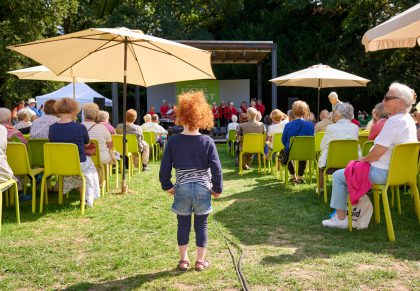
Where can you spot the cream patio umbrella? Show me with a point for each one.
(120, 55)
(402, 30)
(42, 73)
(320, 76)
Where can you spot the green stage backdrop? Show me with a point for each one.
(211, 89)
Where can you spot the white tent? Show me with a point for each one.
(84, 94)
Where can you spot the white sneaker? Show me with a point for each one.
(335, 222)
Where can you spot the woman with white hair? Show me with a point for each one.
(333, 97)
(6, 121)
(24, 124)
(103, 118)
(399, 128)
(342, 128)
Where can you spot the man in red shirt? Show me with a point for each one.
(232, 111)
(222, 113)
(260, 107)
(164, 108)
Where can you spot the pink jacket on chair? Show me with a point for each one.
(357, 178)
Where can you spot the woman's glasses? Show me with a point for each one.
(387, 98)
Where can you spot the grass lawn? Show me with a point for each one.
(129, 242)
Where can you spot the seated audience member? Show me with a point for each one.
(379, 117)
(399, 128)
(342, 128)
(277, 126)
(260, 107)
(24, 123)
(147, 122)
(251, 126)
(244, 107)
(103, 118)
(41, 126)
(326, 119)
(154, 126)
(297, 127)
(68, 131)
(312, 118)
(6, 121)
(6, 172)
(232, 126)
(132, 128)
(15, 110)
(32, 106)
(98, 131)
(243, 117)
(164, 108)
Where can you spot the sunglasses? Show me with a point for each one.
(387, 98)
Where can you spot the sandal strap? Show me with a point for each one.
(184, 262)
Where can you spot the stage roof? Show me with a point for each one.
(234, 52)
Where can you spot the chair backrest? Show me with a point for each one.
(318, 138)
(363, 136)
(26, 136)
(117, 140)
(36, 151)
(366, 147)
(132, 145)
(253, 143)
(96, 158)
(149, 137)
(232, 135)
(403, 165)
(302, 148)
(277, 144)
(61, 159)
(17, 158)
(341, 152)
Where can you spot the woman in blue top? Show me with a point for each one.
(198, 174)
(297, 127)
(67, 131)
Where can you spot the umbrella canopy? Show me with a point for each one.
(320, 76)
(402, 30)
(43, 73)
(99, 53)
(120, 55)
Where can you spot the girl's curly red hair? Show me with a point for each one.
(194, 111)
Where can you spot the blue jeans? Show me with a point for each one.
(192, 197)
(339, 186)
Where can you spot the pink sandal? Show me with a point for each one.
(200, 266)
(183, 265)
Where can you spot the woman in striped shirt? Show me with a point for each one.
(198, 174)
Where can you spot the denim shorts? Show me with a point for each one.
(192, 198)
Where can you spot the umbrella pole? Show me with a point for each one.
(319, 90)
(74, 87)
(124, 182)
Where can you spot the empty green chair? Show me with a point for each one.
(232, 139)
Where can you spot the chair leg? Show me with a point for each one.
(286, 175)
(15, 189)
(376, 206)
(325, 186)
(350, 213)
(1, 207)
(60, 190)
(415, 192)
(41, 197)
(259, 162)
(388, 217)
(263, 157)
(107, 174)
(117, 165)
(83, 196)
(7, 198)
(240, 163)
(33, 194)
(398, 199)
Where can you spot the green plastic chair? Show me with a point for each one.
(363, 136)
(117, 140)
(150, 138)
(13, 189)
(232, 139)
(402, 171)
(61, 159)
(318, 138)
(18, 160)
(253, 143)
(36, 151)
(133, 148)
(277, 147)
(366, 147)
(96, 159)
(303, 149)
(340, 153)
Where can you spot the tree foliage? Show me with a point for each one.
(307, 32)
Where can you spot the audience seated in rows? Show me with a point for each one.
(68, 131)
(399, 128)
(297, 127)
(6, 121)
(132, 128)
(41, 126)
